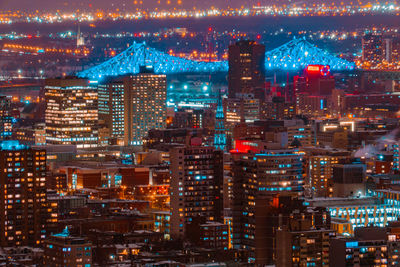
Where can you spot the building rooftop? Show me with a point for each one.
(338, 201)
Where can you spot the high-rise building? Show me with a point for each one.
(145, 108)
(111, 108)
(370, 246)
(71, 112)
(320, 169)
(220, 135)
(313, 90)
(246, 68)
(23, 211)
(6, 120)
(298, 248)
(214, 235)
(233, 112)
(311, 106)
(256, 178)
(278, 109)
(237, 110)
(35, 135)
(196, 189)
(194, 118)
(65, 250)
(304, 239)
(316, 81)
(372, 48)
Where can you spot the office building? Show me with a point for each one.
(237, 110)
(299, 134)
(301, 243)
(349, 213)
(23, 212)
(145, 105)
(111, 108)
(316, 80)
(214, 235)
(196, 189)
(71, 112)
(320, 169)
(35, 135)
(311, 105)
(189, 118)
(372, 49)
(246, 68)
(278, 109)
(65, 250)
(370, 246)
(233, 112)
(256, 179)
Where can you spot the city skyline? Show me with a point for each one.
(152, 133)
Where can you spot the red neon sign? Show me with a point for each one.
(245, 146)
(323, 70)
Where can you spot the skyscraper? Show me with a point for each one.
(145, 97)
(111, 107)
(246, 68)
(372, 48)
(219, 135)
(71, 112)
(256, 178)
(23, 212)
(320, 170)
(196, 189)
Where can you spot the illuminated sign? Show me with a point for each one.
(323, 70)
(352, 244)
(313, 68)
(245, 146)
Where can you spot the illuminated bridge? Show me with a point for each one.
(293, 55)
(299, 53)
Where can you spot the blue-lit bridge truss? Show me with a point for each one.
(140, 54)
(293, 55)
(299, 53)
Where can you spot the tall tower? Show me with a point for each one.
(145, 96)
(219, 135)
(196, 189)
(23, 213)
(246, 68)
(372, 48)
(111, 107)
